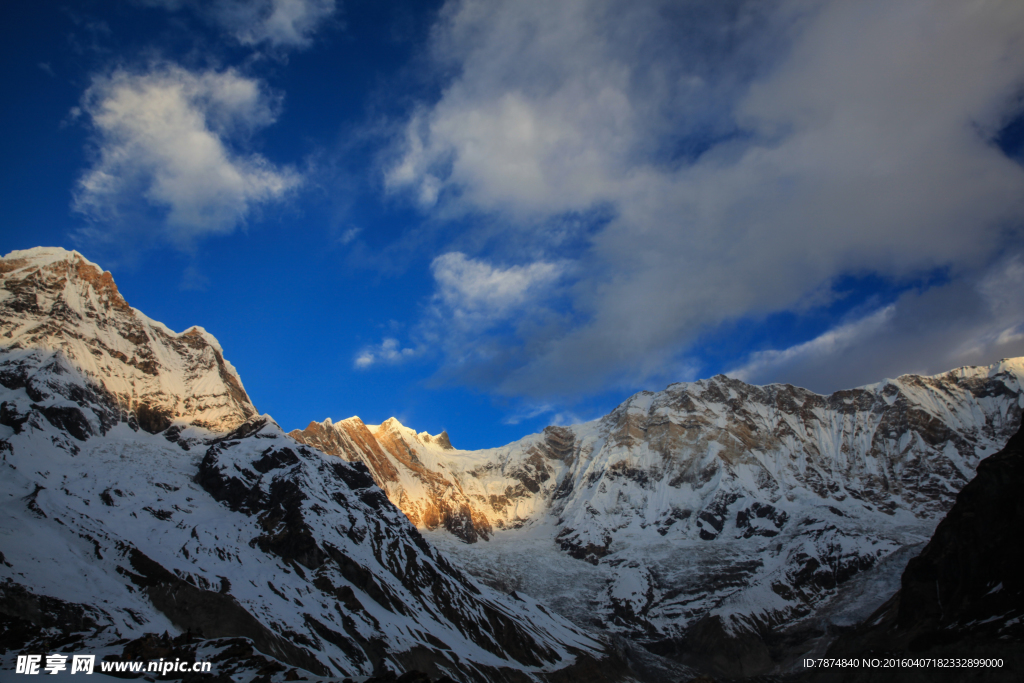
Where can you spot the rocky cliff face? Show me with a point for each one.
(52, 300)
(116, 525)
(713, 513)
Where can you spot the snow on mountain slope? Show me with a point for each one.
(55, 300)
(109, 531)
(711, 509)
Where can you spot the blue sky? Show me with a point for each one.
(488, 217)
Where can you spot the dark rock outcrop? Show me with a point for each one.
(212, 614)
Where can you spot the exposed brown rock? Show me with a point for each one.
(386, 450)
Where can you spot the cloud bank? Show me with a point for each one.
(972, 321)
(169, 140)
(748, 157)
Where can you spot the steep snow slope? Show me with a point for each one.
(711, 509)
(109, 531)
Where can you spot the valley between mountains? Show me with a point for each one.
(712, 528)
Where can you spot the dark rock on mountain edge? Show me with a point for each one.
(963, 596)
(28, 619)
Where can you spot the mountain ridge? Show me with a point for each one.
(775, 496)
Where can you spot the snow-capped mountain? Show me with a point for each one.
(143, 494)
(707, 517)
(52, 300)
(723, 525)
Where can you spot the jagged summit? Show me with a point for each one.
(410, 467)
(57, 302)
(393, 426)
(443, 440)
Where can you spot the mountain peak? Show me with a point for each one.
(391, 425)
(56, 268)
(443, 441)
(55, 301)
(41, 256)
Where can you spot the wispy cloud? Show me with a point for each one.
(473, 293)
(388, 352)
(750, 154)
(283, 24)
(473, 298)
(528, 413)
(559, 417)
(828, 347)
(170, 140)
(349, 235)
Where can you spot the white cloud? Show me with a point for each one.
(388, 352)
(749, 154)
(474, 292)
(278, 23)
(164, 139)
(557, 105)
